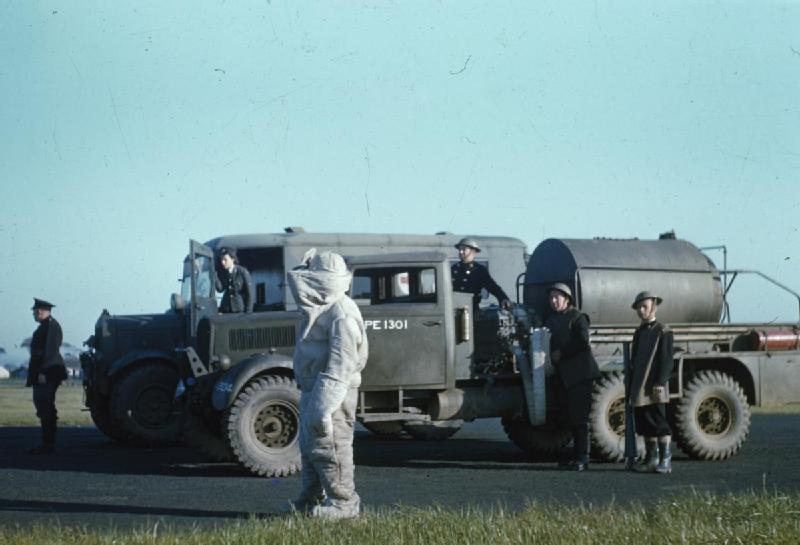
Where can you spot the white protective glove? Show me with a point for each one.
(326, 397)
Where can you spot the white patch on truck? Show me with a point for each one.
(378, 325)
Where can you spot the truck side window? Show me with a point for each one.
(267, 273)
(361, 292)
(405, 285)
(427, 281)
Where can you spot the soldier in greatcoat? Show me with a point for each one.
(471, 277)
(576, 369)
(235, 284)
(647, 385)
(46, 372)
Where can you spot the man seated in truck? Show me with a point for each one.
(235, 283)
(471, 277)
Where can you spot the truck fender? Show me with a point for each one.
(229, 385)
(138, 355)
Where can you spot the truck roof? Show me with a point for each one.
(406, 257)
(340, 240)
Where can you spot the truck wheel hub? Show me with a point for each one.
(153, 407)
(714, 416)
(275, 425)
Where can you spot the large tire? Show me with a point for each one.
(434, 430)
(541, 442)
(100, 412)
(713, 417)
(206, 437)
(607, 419)
(387, 430)
(263, 427)
(142, 405)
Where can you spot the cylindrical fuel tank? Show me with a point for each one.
(606, 274)
(771, 340)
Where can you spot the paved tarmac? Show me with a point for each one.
(95, 482)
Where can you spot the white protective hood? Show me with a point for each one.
(324, 282)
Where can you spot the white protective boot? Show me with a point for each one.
(332, 453)
(332, 509)
(312, 493)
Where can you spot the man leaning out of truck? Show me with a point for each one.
(648, 383)
(575, 367)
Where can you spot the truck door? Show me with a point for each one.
(203, 301)
(407, 326)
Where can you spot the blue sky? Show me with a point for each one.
(130, 127)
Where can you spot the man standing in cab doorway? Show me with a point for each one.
(576, 369)
(471, 277)
(647, 381)
(235, 284)
(46, 372)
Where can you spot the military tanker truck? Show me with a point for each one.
(131, 364)
(434, 365)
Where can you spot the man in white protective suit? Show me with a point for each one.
(329, 355)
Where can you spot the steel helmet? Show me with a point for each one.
(468, 242)
(563, 288)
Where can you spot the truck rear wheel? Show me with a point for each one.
(607, 419)
(263, 427)
(713, 417)
(142, 404)
(434, 430)
(100, 411)
(541, 442)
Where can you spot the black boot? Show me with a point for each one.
(48, 438)
(650, 461)
(664, 455)
(580, 453)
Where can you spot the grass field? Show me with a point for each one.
(701, 518)
(16, 405)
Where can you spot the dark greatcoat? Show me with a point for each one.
(472, 278)
(569, 334)
(237, 290)
(45, 355)
(651, 362)
(576, 370)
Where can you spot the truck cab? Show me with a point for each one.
(131, 367)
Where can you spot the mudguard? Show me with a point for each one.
(229, 385)
(137, 355)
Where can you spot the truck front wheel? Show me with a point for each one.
(100, 411)
(713, 417)
(142, 404)
(263, 427)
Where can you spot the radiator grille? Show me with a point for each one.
(261, 337)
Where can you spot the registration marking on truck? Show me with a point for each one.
(378, 325)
